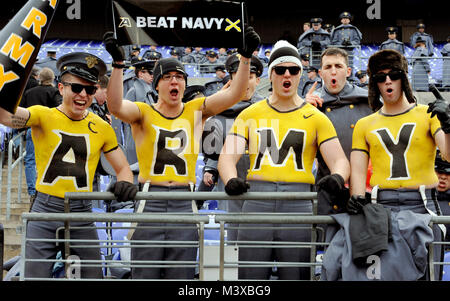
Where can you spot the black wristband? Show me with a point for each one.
(118, 66)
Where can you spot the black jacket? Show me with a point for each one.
(41, 95)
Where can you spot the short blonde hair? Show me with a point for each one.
(46, 76)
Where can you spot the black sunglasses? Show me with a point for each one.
(393, 75)
(77, 88)
(281, 70)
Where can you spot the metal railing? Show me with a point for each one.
(203, 222)
(11, 165)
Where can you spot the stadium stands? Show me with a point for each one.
(360, 58)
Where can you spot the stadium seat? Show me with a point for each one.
(212, 229)
(446, 274)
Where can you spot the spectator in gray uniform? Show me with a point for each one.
(49, 61)
(218, 82)
(315, 40)
(313, 77)
(216, 130)
(446, 65)
(134, 54)
(222, 55)
(421, 67)
(152, 54)
(428, 38)
(344, 104)
(142, 91)
(175, 53)
(392, 42)
(187, 56)
(363, 82)
(212, 61)
(346, 36)
(304, 59)
(198, 55)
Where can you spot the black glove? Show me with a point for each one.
(441, 109)
(336, 192)
(346, 42)
(356, 203)
(334, 183)
(236, 186)
(251, 42)
(315, 45)
(113, 47)
(123, 190)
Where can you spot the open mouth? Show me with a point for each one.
(389, 90)
(333, 81)
(287, 84)
(79, 103)
(173, 92)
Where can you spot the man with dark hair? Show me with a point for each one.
(167, 135)
(98, 105)
(400, 139)
(68, 141)
(344, 103)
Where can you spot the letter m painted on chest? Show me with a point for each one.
(292, 143)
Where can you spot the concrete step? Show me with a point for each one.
(11, 251)
(12, 226)
(15, 218)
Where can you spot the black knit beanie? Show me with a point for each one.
(167, 65)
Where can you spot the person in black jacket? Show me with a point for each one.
(45, 94)
(216, 130)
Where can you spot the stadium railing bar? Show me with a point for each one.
(203, 221)
(13, 163)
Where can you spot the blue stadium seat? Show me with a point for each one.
(199, 169)
(212, 235)
(101, 231)
(446, 275)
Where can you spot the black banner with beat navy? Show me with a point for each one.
(180, 23)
